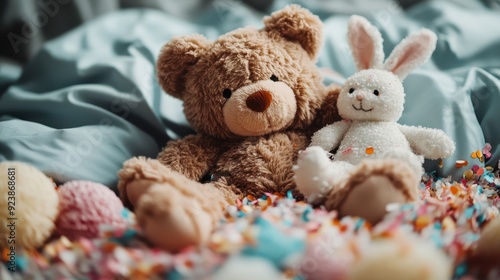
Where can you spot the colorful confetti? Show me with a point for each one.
(296, 239)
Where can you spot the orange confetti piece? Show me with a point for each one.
(369, 150)
(454, 189)
(108, 247)
(480, 171)
(461, 163)
(477, 154)
(421, 222)
(440, 163)
(189, 263)
(5, 254)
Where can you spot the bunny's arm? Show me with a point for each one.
(329, 137)
(429, 142)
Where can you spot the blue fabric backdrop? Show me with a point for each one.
(89, 100)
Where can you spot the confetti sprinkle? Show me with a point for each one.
(461, 163)
(288, 234)
(370, 150)
(487, 150)
(477, 155)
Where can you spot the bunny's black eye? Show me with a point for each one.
(226, 93)
(351, 90)
(274, 78)
(376, 92)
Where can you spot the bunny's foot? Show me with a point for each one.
(373, 185)
(316, 174)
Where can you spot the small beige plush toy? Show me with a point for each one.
(370, 103)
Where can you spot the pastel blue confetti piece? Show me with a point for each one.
(359, 224)
(174, 275)
(460, 270)
(272, 244)
(125, 213)
(469, 212)
(438, 241)
(480, 219)
(289, 194)
(489, 177)
(406, 207)
(22, 263)
(306, 214)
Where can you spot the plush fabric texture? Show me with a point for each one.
(253, 96)
(84, 206)
(371, 102)
(35, 208)
(104, 70)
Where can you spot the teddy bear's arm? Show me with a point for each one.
(193, 156)
(327, 113)
(329, 137)
(429, 142)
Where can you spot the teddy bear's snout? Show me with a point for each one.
(259, 101)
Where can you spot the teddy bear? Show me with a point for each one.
(370, 103)
(254, 98)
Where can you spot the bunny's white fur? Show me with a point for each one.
(371, 102)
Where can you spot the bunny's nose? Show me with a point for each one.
(259, 101)
(359, 97)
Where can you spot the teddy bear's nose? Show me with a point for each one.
(359, 97)
(259, 101)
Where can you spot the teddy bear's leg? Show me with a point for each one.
(316, 174)
(373, 185)
(173, 211)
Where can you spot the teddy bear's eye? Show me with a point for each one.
(376, 92)
(274, 78)
(351, 90)
(226, 93)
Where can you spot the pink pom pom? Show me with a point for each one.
(323, 260)
(84, 206)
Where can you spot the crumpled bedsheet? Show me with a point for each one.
(89, 100)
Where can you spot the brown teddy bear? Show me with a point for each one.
(254, 98)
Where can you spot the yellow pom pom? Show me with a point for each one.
(28, 206)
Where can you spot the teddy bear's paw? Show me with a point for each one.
(372, 187)
(135, 177)
(171, 220)
(314, 173)
(370, 199)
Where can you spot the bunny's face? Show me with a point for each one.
(372, 95)
(376, 93)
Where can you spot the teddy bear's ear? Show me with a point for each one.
(175, 59)
(366, 43)
(412, 52)
(297, 24)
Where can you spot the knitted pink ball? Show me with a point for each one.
(84, 206)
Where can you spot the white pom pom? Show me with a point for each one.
(247, 268)
(411, 258)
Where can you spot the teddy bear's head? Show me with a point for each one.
(248, 82)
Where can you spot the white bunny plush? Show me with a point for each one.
(370, 103)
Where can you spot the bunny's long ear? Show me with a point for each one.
(412, 52)
(366, 43)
